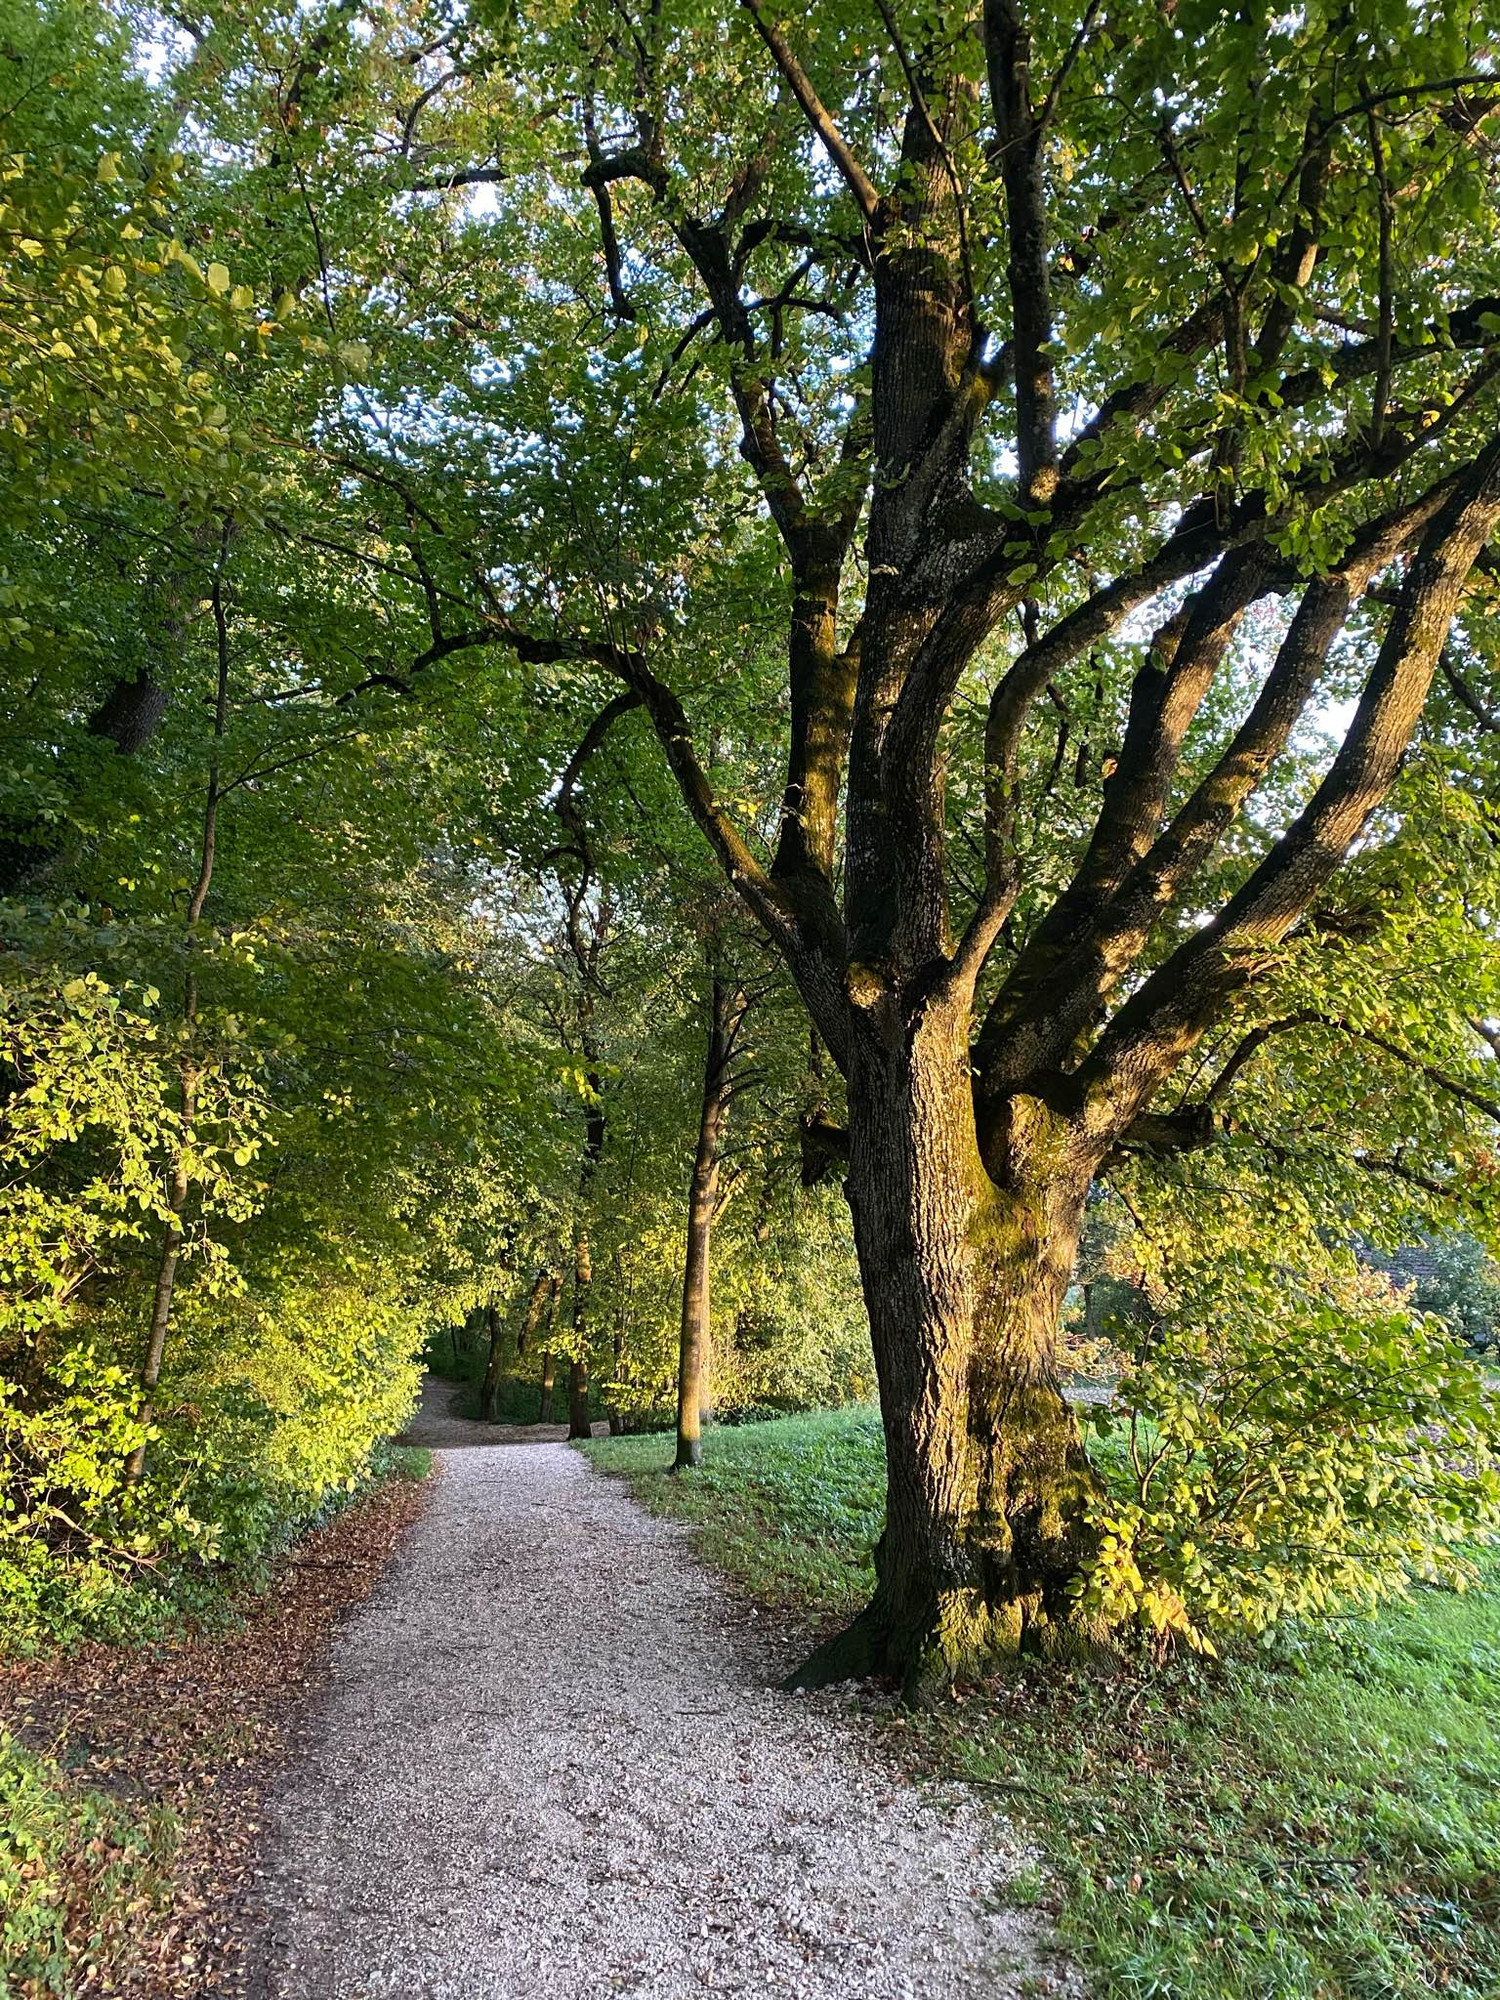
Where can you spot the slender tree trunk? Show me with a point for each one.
(494, 1361)
(172, 1234)
(616, 1416)
(166, 1276)
(549, 1376)
(987, 1479)
(579, 1425)
(583, 1263)
(546, 1308)
(536, 1305)
(726, 1006)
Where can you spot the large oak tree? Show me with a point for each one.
(1054, 340)
(1060, 423)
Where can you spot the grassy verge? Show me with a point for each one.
(1323, 1824)
(79, 1871)
(789, 1510)
(400, 1461)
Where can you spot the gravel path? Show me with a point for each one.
(551, 1764)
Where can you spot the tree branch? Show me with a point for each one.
(1176, 1003)
(1018, 152)
(816, 113)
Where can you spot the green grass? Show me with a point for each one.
(789, 1510)
(399, 1461)
(1318, 1824)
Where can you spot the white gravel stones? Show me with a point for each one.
(552, 1764)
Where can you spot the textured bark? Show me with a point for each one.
(579, 1425)
(987, 1479)
(549, 1380)
(494, 1361)
(132, 712)
(614, 1415)
(703, 1194)
(583, 1269)
(968, 1159)
(545, 1308)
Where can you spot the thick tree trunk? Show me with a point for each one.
(987, 1479)
(132, 712)
(579, 1423)
(549, 1380)
(703, 1193)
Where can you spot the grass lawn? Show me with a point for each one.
(1321, 1823)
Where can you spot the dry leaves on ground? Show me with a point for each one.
(198, 1727)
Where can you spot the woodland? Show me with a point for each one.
(712, 713)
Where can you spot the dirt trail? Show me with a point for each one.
(552, 1764)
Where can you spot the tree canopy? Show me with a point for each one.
(966, 534)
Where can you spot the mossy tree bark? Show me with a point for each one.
(988, 1483)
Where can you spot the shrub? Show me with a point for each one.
(1288, 1441)
(79, 1550)
(1458, 1279)
(268, 1417)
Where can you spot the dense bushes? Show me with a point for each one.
(1454, 1276)
(1294, 1440)
(250, 1451)
(288, 1357)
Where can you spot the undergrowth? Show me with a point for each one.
(79, 1872)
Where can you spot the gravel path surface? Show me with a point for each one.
(551, 1764)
